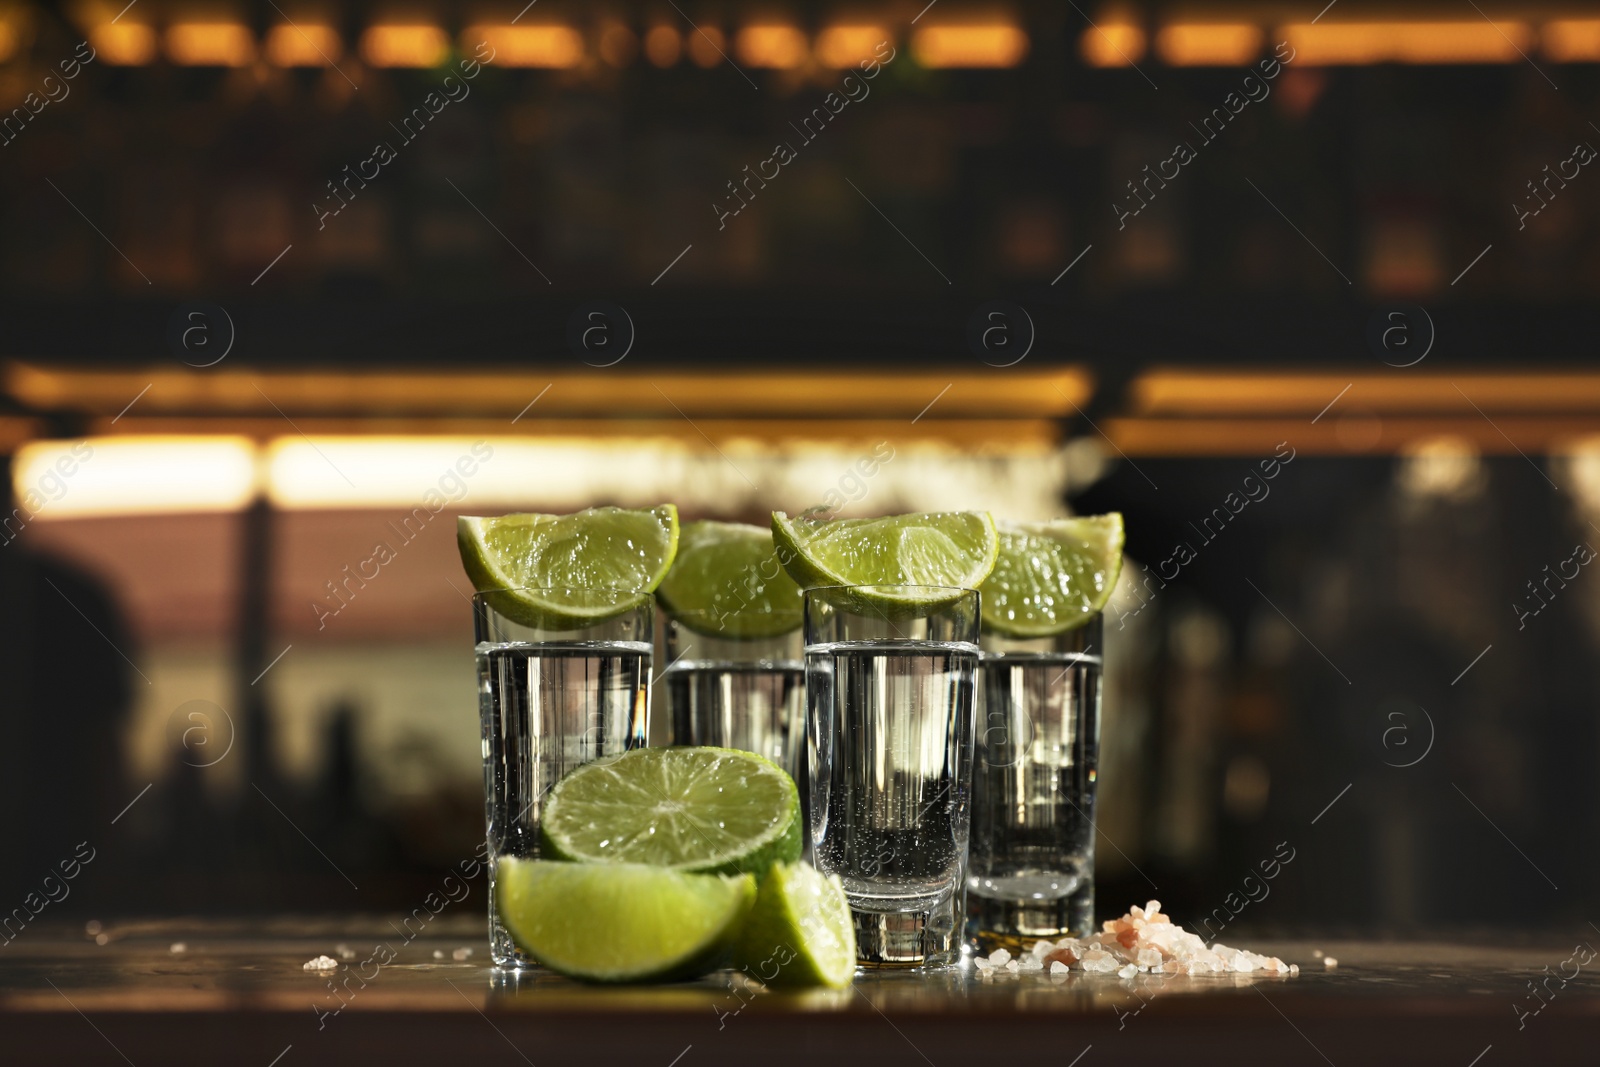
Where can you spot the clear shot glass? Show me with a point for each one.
(552, 695)
(737, 690)
(1031, 868)
(889, 728)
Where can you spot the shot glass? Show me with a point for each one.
(549, 700)
(737, 690)
(1031, 871)
(889, 727)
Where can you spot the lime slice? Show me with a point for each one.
(562, 572)
(953, 549)
(708, 810)
(621, 922)
(727, 582)
(1052, 576)
(799, 933)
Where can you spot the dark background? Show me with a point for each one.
(1266, 677)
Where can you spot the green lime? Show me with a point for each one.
(952, 549)
(1052, 576)
(562, 572)
(799, 933)
(707, 810)
(727, 582)
(621, 922)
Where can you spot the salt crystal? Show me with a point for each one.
(999, 957)
(461, 954)
(982, 963)
(1148, 959)
(1012, 967)
(1041, 949)
(1128, 972)
(177, 948)
(1316, 953)
(1057, 967)
(1294, 969)
(1329, 963)
(321, 963)
(438, 954)
(1031, 965)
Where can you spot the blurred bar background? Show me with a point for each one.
(1336, 367)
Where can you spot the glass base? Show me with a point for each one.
(1014, 925)
(906, 939)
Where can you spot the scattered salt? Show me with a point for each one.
(102, 939)
(438, 954)
(1329, 963)
(92, 927)
(1142, 941)
(321, 963)
(345, 952)
(177, 948)
(461, 954)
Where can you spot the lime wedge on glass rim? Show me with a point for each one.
(1051, 577)
(703, 810)
(727, 582)
(799, 933)
(621, 922)
(562, 572)
(942, 551)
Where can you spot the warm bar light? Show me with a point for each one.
(662, 46)
(845, 46)
(996, 45)
(1215, 393)
(303, 45)
(774, 46)
(1112, 44)
(124, 44)
(122, 475)
(1208, 44)
(404, 46)
(210, 44)
(1331, 44)
(8, 41)
(548, 47)
(1571, 40)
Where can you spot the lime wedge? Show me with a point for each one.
(799, 933)
(621, 922)
(1052, 576)
(563, 571)
(707, 810)
(936, 548)
(727, 582)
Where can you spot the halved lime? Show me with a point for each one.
(950, 549)
(567, 571)
(621, 922)
(1052, 576)
(799, 933)
(708, 810)
(727, 582)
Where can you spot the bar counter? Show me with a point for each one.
(236, 992)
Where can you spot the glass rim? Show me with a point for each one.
(616, 590)
(889, 585)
